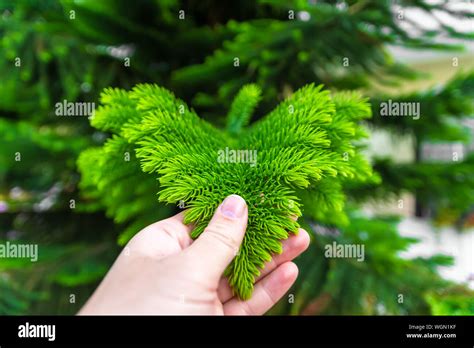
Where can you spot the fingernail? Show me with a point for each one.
(233, 206)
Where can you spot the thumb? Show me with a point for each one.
(219, 243)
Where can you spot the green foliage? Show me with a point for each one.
(451, 185)
(277, 49)
(14, 300)
(299, 144)
(242, 108)
(74, 59)
(455, 300)
(372, 287)
(60, 269)
(441, 108)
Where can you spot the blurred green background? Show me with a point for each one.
(407, 50)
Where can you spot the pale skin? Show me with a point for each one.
(163, 271)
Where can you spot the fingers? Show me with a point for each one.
(292, 247)
(161, 239)
(175, 228)
(219, 243)
(267, 292)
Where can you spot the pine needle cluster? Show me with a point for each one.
(304, 150)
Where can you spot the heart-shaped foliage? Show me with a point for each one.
(301, 153)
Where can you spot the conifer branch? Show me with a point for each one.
(305, 144)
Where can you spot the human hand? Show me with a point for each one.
(163, 271)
